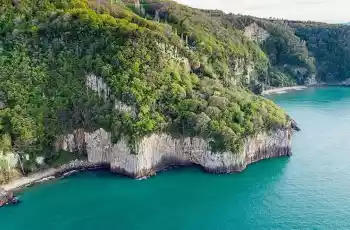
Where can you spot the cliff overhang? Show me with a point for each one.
(161, 151)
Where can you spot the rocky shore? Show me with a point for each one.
(53, 173)
(298, 88)
(283, 90)
(161, 151)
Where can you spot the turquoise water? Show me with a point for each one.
(310, 190)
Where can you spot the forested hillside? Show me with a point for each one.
(330, 46)
(289, 58)
(299, 52)
(139, 67)
(175, 69)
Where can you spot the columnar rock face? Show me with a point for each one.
(160, 151)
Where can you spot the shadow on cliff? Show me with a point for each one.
(263, 169)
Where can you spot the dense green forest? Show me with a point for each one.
(330, 46)
(181, 70)
(298, 53)
(285, 50)
(180, 75)
(321, 49)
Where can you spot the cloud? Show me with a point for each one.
(309, 2)
(316, 10)
(262, 6)
(279, 4)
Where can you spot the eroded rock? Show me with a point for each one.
(160, 151)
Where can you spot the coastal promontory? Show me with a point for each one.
(146, 85)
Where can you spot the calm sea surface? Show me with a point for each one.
(310, 190)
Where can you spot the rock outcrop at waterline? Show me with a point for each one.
(160, 151)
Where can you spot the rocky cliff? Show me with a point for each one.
(160, 151)
(100, 65)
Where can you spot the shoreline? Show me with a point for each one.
(282, 90)
(78, 166)
(51, 174)
(275, 144)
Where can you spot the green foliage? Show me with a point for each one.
(216, 45)
(329, 44)
(61, 157)
(285, 50)
(280, 78)
(49, 47)
(319, 48)
(284, 47)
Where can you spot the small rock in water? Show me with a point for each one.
(295, 126)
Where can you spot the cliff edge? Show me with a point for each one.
(158, 152)
(166, 91)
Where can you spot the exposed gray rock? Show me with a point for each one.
(256, 33)
(346, 82)
(72, 142)
(2, 105)
(120, 106)
(295, 126)
(160, 151)
(311, 80)
(10, 159)
(98, 85)
(171, 52)
(2, 100)
(243, 70)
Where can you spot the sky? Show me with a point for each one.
(331, 11)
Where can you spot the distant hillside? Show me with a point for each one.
(297, 52)
(329, 44)
(301, 52)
